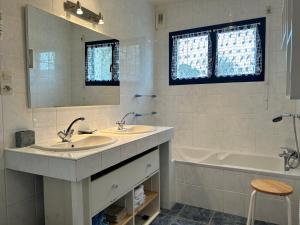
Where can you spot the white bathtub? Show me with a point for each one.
(229, 159)
(221, 181)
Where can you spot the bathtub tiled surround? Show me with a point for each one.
(182, 214)
(228, 191)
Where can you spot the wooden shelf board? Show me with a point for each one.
(139, 221)
(124, 221)
(150, 196)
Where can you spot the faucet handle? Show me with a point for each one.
(62, 135)
(288, 150)
(283, 154)
(71, 132)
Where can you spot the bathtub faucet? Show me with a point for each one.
(289, 156)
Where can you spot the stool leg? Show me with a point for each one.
(250, 219)
(253, 210)
(289, 210)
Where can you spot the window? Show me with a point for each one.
(232, 52)
(47, 60)
(102, 63)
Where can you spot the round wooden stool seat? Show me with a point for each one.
(272, 187)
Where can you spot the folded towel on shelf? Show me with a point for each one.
(139, 191)
(115, 214)
(99, 219)
(139, 196)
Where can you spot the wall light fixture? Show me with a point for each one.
(83, 13)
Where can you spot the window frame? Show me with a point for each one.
(114, 42)
(213, 36)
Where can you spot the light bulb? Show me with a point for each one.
(79, 10)
(101, 21)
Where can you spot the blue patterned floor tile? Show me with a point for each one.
(220, 218)
(199, 215)
(162, 219)
(174, 210)
(257, 222)
(179, 221)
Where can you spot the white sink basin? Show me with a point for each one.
(130, 129)
(89, 142)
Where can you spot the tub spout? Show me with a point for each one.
(288, 154)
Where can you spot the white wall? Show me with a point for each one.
(23, 202)
(233, 116)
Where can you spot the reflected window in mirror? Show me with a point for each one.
(47, 60)
(102, 63)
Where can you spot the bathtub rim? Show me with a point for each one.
(283, 174)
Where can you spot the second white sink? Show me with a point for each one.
(89, 142)
(130, 129)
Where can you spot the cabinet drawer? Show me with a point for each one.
(149, 164)
(105, 190)
(134, 172)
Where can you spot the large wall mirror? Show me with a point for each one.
(68, 64)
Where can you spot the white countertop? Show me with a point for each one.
(77, 165)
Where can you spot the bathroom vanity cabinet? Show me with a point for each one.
(290, 43)
(80, 184)
(105, 188)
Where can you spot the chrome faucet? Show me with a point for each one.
(66, 136)
(287, 155)
(291, 156)
(122, 122)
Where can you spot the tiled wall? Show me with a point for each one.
(233, 116)
(229, 191)
(23, 202)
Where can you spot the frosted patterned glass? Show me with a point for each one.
(47, 60)
(192, 57)
(237, 52)
(99, 63)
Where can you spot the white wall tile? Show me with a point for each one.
(225, 115)
(121, 23)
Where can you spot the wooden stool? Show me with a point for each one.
(272, 187)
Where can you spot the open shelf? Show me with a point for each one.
(140, 221)
(149, 208)
(150, 197)
(124, 221)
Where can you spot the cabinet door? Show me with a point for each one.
(284, 23)
(295, 52)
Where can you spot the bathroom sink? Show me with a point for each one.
(130, 129)
(88, 142)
